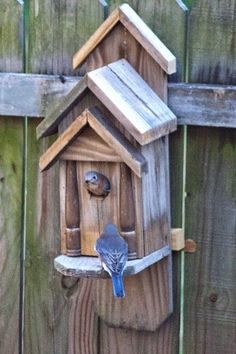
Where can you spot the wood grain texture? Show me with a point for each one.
(11, 170)
(210, 296)
(11, 179)
(141, 32)
(95, 39)
(32, 95)
(86, 267)
(50, 124)
(96, 212)
(140, 309)
(203, 104)
(209, 322)
(144, 35)
(52, 154)
(128, 154)
(118, 340)
(46, 296)
(146, 119)
(212, 49)
(155, 197)
(164, 18)
(83, 321)
(89, 146)
(11, 29)
(57, 30)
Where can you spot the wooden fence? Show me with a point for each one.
(39, 309)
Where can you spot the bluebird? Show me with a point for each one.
(97, 184)
(113, 252)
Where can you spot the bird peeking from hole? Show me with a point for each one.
(97, 184)
(113, 252)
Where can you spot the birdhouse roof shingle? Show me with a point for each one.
(138, 29)
(126, 95)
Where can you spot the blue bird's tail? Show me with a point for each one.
(118, 285)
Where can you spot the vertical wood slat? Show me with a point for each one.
(11, 178)
(210, 203)
(11, 168)
(57, 29)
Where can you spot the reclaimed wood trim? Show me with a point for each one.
(50, 124)
(91, 266)
(145, 36)
(50, 156)
(95, 39)
(131, 156)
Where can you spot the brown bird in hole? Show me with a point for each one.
(97, 184)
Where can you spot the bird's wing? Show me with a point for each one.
(113, 258)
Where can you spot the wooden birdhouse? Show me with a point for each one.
(114, 126)
(118, 135)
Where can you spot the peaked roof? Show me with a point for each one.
(139, 30)
(126, 95)
(111, 135)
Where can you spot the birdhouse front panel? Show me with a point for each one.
(98, 186)
(133, 193)
(99, 191)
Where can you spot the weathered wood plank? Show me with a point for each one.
(193, 104)
(146, 122)
(145, 36)
(31, 94)
(120, 340)
(11, 181)
(91, 266)
(11, 29)
(139, 309)
(210, 204)
(210, 221)
(57, 30)
(212, 42)
(204, 105)
(11, 175)
(52, 154)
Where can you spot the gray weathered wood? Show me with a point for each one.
(31, 94)
(91, 266)
(202, 104)
(194, 104)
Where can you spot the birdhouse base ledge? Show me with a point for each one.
(85, 267)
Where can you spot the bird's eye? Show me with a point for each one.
(94, 177)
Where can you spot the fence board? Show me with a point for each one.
(11, 27)
(57, 29)
(210, 204)
(11, 146)
(210, 301)
(11, 174)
